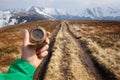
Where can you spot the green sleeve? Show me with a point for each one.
(19, 70)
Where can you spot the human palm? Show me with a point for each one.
(32, 55)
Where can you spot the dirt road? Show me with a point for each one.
(69, 61)
(79, 50)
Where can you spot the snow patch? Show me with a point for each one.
(4, 18)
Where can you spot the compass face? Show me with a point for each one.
(37, 34)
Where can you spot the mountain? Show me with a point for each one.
(99, 13)
(10, 17)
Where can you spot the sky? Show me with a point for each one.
(76, 4)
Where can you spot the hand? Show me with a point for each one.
(30, 54)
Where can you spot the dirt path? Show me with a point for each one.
(69, 60)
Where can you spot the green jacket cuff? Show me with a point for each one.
(22, 66)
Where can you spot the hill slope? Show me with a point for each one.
(81, 50)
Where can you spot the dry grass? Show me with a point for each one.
(103, 40)
(11, 40)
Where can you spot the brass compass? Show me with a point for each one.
(37, 36)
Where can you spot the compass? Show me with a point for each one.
(38, 35)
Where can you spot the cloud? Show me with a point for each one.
(4, 4)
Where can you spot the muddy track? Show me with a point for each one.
(69, 60)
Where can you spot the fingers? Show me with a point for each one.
(47, 41)
(44, 48)
(26, 38)
(42, 55)
(42, 52)
(48, 34)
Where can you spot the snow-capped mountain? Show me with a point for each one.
(38, 11)
(98, 13)
(10, 17)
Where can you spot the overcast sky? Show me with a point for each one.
(8, 4)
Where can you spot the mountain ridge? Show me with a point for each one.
(11, 17)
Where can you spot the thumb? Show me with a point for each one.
(26, 38)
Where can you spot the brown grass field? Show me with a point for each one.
(11, 40)
(102, 40)
(79, 50)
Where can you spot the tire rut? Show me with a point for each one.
(65, 63)
(41, 70)
(66, 59)
(84, 57)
